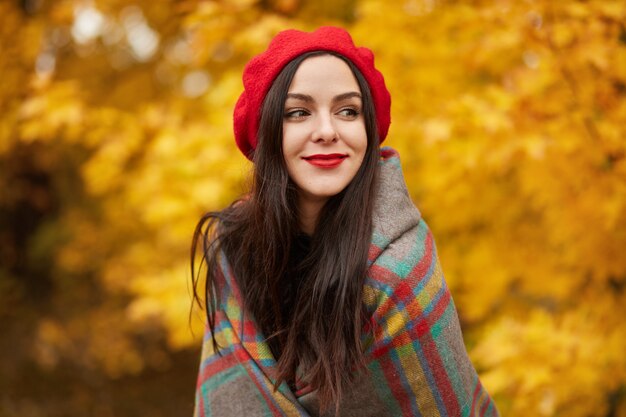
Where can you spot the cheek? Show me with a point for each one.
(290, 142)
(359, 139)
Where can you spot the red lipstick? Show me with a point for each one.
(330, 160)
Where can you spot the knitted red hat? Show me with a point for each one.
(260, 72)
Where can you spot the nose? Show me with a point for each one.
(325, 130)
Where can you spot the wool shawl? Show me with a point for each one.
(417, 364)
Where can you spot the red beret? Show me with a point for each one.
(260, 72)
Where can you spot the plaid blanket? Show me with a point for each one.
(416, 359)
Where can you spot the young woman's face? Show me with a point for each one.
(324, 138)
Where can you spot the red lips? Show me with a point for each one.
(330, 160)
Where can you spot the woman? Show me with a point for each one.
(323, 290)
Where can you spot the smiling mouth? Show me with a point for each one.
(326, 160)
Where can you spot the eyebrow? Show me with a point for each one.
(309, 99)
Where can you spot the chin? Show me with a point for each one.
(321, 192)
(326, 192)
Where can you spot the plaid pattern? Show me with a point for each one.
(416, 359)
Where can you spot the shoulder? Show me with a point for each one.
(402, 247)
(410, 259)
(402, 261)
(405, 293)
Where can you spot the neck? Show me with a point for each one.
(308, 213)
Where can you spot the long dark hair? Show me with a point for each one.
(322, 335)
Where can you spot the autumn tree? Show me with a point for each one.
(116, 135)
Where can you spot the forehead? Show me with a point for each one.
(323, 73)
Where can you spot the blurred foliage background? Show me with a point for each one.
(115, 136)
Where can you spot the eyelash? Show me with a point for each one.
(301, 113)
(353, 112)
(296, 114)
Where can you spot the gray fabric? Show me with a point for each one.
(361, 400)
(395, 218)
(248, 402)
(394, 212)
(240, 384)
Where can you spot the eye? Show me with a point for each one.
(349, 112)
(296, 114)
